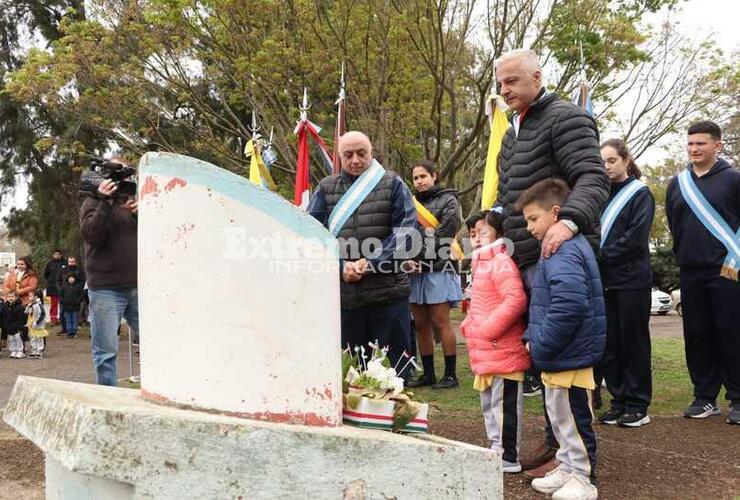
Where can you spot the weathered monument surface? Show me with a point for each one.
(241, 394)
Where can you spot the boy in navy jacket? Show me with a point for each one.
(566, 337)
(710, 292)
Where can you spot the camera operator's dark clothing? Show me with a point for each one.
(109, 232)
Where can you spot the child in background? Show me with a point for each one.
(13, 321)
(71, 295)
(566, 337)
(493, 331)
(36, 319)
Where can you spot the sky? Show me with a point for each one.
(697, 18)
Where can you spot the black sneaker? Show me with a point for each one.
(700, 409)
(611, 416)
(734, 416)
(637, 419)
(421, 382)
(446, 382)
(531, 387)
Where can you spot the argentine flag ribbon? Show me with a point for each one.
(714, 223)
(354, 197)
(616, 206)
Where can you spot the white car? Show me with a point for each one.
(661, 302)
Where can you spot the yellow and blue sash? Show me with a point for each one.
(354, 197)
(714, 223)
(427, 219)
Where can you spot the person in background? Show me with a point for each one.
(435, 284)
(71, 267)
(703, 209)
(51, 271)
(624, 262)
(14, 318)
(36, 319)
(71, 296)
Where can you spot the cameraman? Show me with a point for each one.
(108, 225)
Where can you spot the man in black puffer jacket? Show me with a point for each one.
(548, 138)
(374, 289)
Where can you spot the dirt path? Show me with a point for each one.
(673, 457)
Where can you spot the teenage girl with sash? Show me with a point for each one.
(624, 262)
(703, 209)
(435, 284)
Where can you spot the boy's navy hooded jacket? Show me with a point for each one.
(624, 258)
(693, 245)
(567, 319)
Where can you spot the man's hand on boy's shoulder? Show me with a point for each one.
(556, 235)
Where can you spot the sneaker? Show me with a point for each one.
(71, 335)
(576, 488)
(422, 381)
(611, 416)
(698, 409)
(552, 482)
(511, 467)
(637, 419)
(734, 416)
(446, 382)
(20, 355)
(531, 387)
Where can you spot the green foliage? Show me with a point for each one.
(666, 274)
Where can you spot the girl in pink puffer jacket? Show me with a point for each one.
(493, 331)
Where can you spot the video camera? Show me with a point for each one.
(102, 169)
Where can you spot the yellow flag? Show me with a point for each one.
(257, 169)
(496, 110)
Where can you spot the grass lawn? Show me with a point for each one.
(671, 385)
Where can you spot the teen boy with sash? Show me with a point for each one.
(703, 209)
(368, 209)
(624, 262)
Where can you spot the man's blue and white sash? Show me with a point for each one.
(354, 197)
(615, 207)
(713, 222)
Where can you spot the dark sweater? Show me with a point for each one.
(444, 205)
(693, 244)
(71, 295)
(556, 139)
(624, 258)
(109, 233)
(51, 273)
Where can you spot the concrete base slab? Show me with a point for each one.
(115, 444)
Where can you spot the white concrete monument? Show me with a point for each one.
(240, 364)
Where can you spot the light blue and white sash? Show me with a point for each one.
(713, 222)
(614, 208)
(356, 194)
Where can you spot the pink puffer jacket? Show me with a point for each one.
(495, 324)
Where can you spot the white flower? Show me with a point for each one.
(352, 375)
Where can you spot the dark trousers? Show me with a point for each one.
(388, 324)
(626, 365)
(711, 331)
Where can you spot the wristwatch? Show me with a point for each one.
(570, 225)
